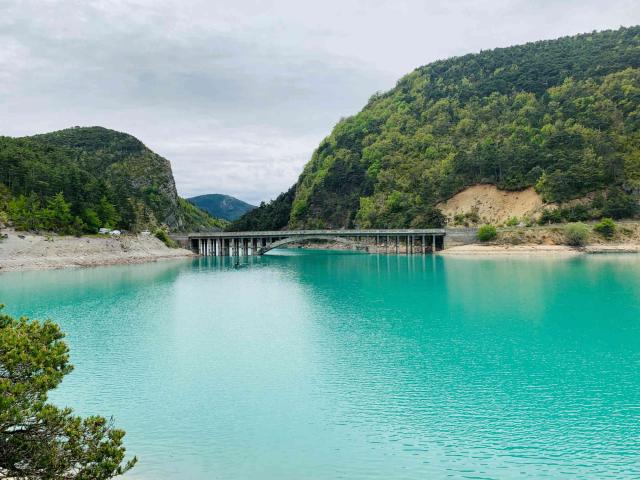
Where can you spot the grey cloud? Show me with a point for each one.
(237, 94)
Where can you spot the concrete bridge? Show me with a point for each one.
(257, 243)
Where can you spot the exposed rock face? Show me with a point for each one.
(492, 205)
(142, 180)
(138, 181)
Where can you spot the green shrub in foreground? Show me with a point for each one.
(487, 233)
(605, 227)
(576, 234)
(39, 440)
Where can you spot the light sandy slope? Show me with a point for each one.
(24, 251)
(493, 205)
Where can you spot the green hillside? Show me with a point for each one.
(273, 215)
(221, 206)
(561, 115)
(80, 179)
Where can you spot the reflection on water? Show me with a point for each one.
(338, 365)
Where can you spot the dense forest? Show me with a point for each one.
(221, 206)
(273, 215)
(81, 179)
(560, 115)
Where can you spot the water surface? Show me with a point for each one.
(324, 365)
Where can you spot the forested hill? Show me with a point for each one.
(221, 206)
(561, 115)
(80, 179)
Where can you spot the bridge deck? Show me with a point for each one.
(306, 233)
(257, 243)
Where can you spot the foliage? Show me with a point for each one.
(561, 115)
(605, 227)
(163, 236)
(268, 216)
(221, 206)
(486, 233)
(576, 234)
(512, 222)
(616, 204)
(28, 214)
(37, 439)
(108, 179)
(619, 204)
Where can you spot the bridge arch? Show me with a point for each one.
(303, 238)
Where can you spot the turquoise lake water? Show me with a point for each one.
(325, 365)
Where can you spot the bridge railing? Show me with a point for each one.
(297, 233)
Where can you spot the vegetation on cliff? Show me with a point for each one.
(80, 179)
(560, 115)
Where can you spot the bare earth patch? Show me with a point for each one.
(493, 205)
(27, 251)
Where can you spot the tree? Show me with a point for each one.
(26, 212)
(619, 204)
(108, 213)
(91, 220)
(57, 216)
(39, 440)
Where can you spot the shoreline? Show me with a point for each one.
(22, 251)
(28, 252)
(491, 249)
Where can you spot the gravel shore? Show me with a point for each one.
(28, 251)
(546, 250)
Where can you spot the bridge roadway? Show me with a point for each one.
(407, 241)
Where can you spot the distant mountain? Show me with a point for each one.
(221, 206)
(268, 216)
(79, 179)
(562, 116)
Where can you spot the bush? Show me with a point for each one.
(162, 235)
(512, 222)
(487, 233)
(458, 219)
(472, 216)
(606, 227)
(576, 234)
(550, 216)
(576, 213)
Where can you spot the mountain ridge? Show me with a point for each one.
(222, 206)
(558, 115)
(92, 177)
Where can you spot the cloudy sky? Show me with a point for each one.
(238, 93)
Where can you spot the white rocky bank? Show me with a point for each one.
(27, 251)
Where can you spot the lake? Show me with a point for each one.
(327, 365)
